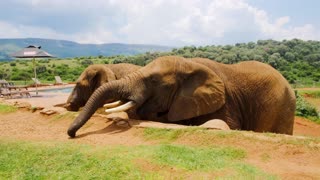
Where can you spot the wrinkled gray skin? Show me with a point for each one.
(92, 78)
(247, 96)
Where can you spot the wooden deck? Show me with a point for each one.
(9, 92)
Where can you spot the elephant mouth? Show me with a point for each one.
(71, 107)
(125, 105)
(162, 114)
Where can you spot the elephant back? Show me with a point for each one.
(123, 69)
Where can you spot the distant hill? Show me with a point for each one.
(64, 49)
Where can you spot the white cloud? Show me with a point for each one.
(200, 22)
(96, 36)
(174, 22)
(21, 31)
(280, 29)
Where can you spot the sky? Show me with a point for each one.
(161, 22)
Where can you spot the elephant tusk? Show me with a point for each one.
(61, 105)
(67, 105)
(123, 107)
(113, 104)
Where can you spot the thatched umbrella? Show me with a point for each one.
(32, 52)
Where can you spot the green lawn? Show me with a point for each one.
(41, 160)
(172, 154)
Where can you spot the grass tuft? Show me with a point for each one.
(171, 135)
(66, 115)
(168, 135)
(7, 108)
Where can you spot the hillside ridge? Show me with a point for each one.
(65, 48)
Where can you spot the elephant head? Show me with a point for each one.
(90, 79)
(173, 88)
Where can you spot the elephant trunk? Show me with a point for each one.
(106, 91)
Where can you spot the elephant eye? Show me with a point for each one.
(155, 79)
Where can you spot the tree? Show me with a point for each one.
(316, 77)
(86, 62)
(313, 57)
(273, 60)
(289, 56)
(21, 75)
(262, 42)
(251, 45)
(281, 49)
(41, 69)
(258, 57)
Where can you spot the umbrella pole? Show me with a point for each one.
(35, 75)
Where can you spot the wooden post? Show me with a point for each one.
(35, 74)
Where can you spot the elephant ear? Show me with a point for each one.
(96, 75)
(201, 91)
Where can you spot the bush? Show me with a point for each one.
(86, 62)
(12, 64)
(305, 109)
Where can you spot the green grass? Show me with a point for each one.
(168, 135)
(26, 160)
(22, 160)
(7, 108)
(206, 138)
(191, 158)
(218, 160)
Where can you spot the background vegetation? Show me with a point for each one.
(297, 60)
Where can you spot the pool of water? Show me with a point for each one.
(59, 90)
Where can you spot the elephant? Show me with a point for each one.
(92, 78)
(248, 95)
